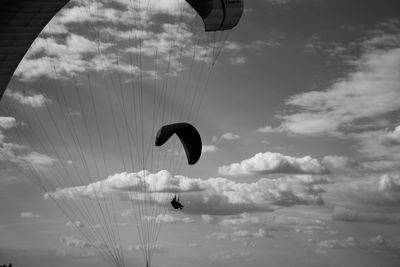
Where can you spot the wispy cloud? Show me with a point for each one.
(371, 191)
(166, 218)
(375, 76)
(25, 214)
(75, 224)
(225, 136)
(352, 215)
(74, 242)
(155, 248)
(238, 235)
(230, 255)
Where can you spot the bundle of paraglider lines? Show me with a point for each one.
(146, 109)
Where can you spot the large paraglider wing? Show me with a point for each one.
(218, 15)
(188, 135)
(21, 21)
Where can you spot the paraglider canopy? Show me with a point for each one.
(21, 21)
(218, 15)
(188, 135)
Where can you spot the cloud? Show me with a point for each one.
(349, 242)
(209, 219)
(29, 215)
(229, 255)
(37, 159)
(33, 100)
(340, 163)
(225, 136)
(242, 220)
(391, 138)
(375, 145)
(127, 213)
(269, 129)
(351, 215)
(213, 196)
(65, 47)
(375, 243)
(238, 235)
(313, 45)
(76, 224)
(74, 242)
(337, 164)
(388, 185)
(370, 190)
(376, 75)
(268, 163)
(155, 248)
(194, 245)
(209, 149)
(166, 218)
(8, 122)
(237, 60)
(17, 154)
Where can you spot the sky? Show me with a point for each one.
(299, 116)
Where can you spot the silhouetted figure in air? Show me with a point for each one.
(176, 204)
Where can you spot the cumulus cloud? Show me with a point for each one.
(225, 136)
(17, 154)
(74, 242)
(32, 100)
(155, 248)
(29, 215)
(209, 149)
(269, 129)
(8, 122)
(351, 215)
(237, 60)
(64, 46)
(214, 196)
(268, 163)
(166, 218)
(391, 138)
(387, 184)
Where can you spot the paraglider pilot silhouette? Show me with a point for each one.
(191, 142)
(176, 204)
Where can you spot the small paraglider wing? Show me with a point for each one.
(188, 135)
(218, 15)
(21, 21)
